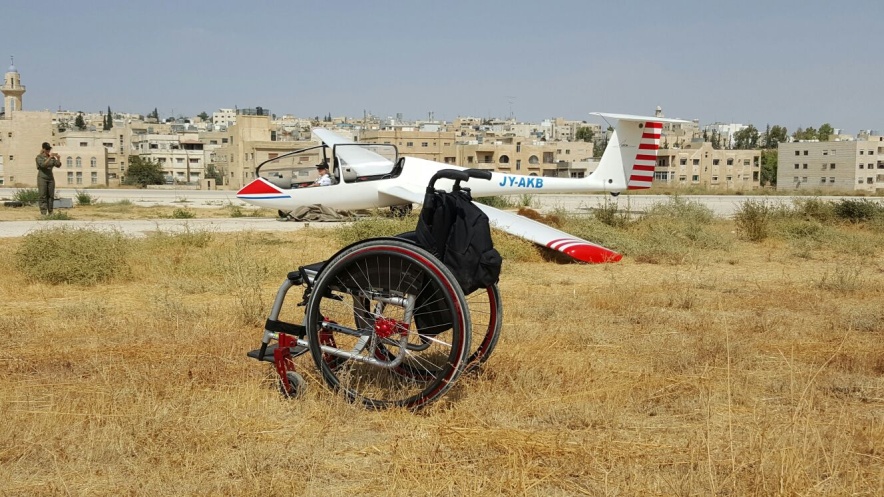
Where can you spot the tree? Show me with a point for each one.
(202, 115)
(108, 119)
(777, 134)
(584, 133)
(716, 139)
(143, 172)
(825, 132)
(154, 115)
(79, 123)
(806, 134)
(746, 138)
(215, 174)
(769, 167)
(598, 148)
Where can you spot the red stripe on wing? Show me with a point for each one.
(584, 251)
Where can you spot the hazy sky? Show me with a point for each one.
(793, 63)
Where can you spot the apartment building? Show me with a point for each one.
(529, 157)
(182, 156)
(84, 159)
(507, 153)
(224, 118)
(699, 164)
(250, 142)
(559, 129)
(439, 146)
(832, 166)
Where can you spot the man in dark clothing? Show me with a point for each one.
(45, 181)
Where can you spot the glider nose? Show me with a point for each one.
(260, 189)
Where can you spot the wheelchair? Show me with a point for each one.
(386, 323)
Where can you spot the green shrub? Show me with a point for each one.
(857, 210)
(753, 220)
(27, 196)
(688, 211)
(610, 214)
(73, 255)
(84, 198)
(801, 229)
(814, 208)
(183, 214)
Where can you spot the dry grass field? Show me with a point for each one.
(704, 363)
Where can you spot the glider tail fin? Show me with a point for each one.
(629, 159)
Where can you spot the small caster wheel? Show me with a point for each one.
(297, 385)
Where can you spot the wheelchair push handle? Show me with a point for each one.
(479, 174)
(458, 176)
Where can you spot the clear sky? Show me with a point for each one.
(793, 63)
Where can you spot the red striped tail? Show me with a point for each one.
(642, 174)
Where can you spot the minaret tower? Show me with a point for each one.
(12, 89)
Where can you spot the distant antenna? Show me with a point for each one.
(511, 99)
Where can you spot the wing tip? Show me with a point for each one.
(585, 251)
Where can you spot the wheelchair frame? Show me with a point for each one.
(386, 322)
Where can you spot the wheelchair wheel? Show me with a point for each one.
(386, 323)
(486, 313)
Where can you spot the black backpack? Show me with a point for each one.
(457, 233)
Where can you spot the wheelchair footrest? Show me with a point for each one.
(268, 354)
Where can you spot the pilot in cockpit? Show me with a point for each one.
(324, 179)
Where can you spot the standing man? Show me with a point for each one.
(45, 181)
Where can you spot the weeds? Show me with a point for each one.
(84, 198)
(857, 210)
(374, 226)
(188, 238)
(814, 208)
(74, 256)
(753, 220)
(609, 214)
(27, 196)
(183, 214)
(602, 372)
(844, 278)
(56, 216)
(243, 274)
(497, 202)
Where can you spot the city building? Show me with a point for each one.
(698, 164)
(84, 158)
(21, 134)
(832, 166)
(182, 156)
(251, 141)
(506, 153)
